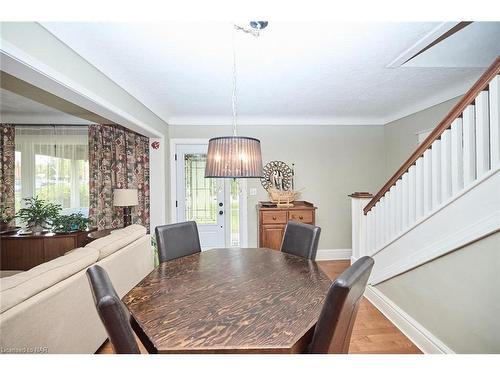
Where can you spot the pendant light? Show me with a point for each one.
(235, 156)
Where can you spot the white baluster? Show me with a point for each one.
(405, 201)
(494, 91)
(398, 217)
(427, 181)
(419, 188)
(412, 195)
(381, 222)
(394, 203)
(371, 232)
(436, 173)
(482, 134)
(388, 211)
(469, 145)
(446, 165)
(457, 159)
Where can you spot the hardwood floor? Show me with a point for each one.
(373, 333)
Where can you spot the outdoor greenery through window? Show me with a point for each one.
(202, 195)
(52, 163)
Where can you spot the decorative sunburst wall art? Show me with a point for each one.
(277, 175)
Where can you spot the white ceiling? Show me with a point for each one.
(17, 109)
(294, 73)
(477, 45)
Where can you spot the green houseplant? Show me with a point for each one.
(38, 214)
(70, 223)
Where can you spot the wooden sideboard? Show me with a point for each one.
(22, 252)
(272, 221)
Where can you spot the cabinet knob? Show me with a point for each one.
(274, 217)
(301, 217)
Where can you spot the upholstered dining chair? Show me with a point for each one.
(334, 328)
(113, 313)
(177, 240)
(301, 239)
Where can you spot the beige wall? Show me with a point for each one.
(330, 163)
(455, 297)
(400, 136)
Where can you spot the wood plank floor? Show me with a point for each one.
(373, 333)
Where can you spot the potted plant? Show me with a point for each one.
(5, 217)
(70, 223)
(38, 214)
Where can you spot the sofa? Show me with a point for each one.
(50, 308)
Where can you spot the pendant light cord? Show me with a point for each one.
(234, 99)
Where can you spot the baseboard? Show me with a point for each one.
(421, 337)
(334, 254)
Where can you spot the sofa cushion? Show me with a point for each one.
(116, 240)
(18, 288)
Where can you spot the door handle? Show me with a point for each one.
(221, 212)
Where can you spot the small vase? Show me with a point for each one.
(37, 229)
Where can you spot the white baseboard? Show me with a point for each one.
(421, 337)
(334, 254)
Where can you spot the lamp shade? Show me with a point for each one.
(125, 197)
(234, 157)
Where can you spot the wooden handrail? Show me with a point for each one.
(455, 112)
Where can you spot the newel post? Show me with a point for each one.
(359, 200)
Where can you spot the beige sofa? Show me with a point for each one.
(50, 309)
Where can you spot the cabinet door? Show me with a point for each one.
(271, 236)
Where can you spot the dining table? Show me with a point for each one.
(229, 300)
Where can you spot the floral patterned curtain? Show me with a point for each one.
(7, 167)
(118, 159)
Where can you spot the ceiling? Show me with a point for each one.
(294, 73)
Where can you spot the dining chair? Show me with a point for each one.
(334, 328)
(301, 239)
(177, 240)
(113, 313)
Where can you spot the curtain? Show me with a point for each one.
(7, 168)
(118, 159)
(54, 165)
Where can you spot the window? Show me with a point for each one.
(52, 162)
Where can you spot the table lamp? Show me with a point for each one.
(125, 198)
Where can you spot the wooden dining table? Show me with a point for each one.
(229, 300)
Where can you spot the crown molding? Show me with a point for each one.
(274, 121)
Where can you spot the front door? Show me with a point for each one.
(198, 198)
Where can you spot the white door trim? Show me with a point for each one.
(174, 142)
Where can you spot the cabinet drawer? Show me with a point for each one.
(305, 216)
(274, 217)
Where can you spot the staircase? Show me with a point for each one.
(445, 196)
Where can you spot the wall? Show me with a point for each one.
(400, 136)
(330, 163)
(455, 297)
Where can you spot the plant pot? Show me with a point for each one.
(37, 229)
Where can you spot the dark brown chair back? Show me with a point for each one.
(301, 239)
(334, 328)
(177, 240)
(113, 313)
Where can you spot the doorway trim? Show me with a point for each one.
(174, 142)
